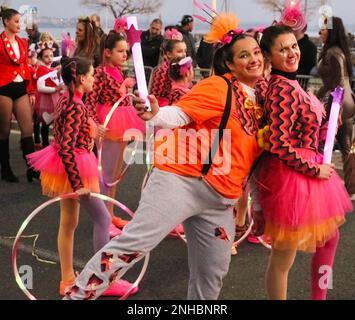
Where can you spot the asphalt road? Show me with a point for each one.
(167, 273)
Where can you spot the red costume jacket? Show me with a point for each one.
(11, 66)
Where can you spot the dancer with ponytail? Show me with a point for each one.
(172, 47)
(69, 165)
(110, 86)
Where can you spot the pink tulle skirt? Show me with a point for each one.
(301, 212)
(123, 119)
(47, 102)
(54, 179)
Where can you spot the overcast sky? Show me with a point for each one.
(248, 11)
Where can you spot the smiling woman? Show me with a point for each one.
(299, 213)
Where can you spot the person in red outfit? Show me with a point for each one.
(16, 92)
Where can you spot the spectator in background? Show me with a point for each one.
(187, 25)
(308, 52)
(33, 34)
(205, 56)
(46, 37)
(335, 69)
(151, 42)
(88, 40)
(96, 19)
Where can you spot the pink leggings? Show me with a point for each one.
(323, 258)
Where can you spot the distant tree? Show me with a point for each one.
(277, 6)
(121, 8)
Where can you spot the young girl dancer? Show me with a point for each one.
(109, 87)
(181, 74)
(69, 165)
(173, 47)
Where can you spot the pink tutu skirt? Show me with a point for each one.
(123, 119)
(47, 102)
(54, 179)
(301, 212)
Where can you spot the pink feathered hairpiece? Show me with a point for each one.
(293, 16)
(120, 24)
(228, 37)
(185, 66)
(173, 34)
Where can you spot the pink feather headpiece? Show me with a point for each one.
(293, 16)
(173, 34)
(120, 24)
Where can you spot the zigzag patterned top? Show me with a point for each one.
(71, 132)
(106, 88)
(247, 119)
(161, 83)
(177, 92)
(294, 123)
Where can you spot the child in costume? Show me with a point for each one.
(109, 86)
(69, 165)
(49, 89)
(181, 74)
(172, 47)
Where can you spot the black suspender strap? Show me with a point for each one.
(215, 146)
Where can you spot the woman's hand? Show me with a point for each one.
(101, 131)
(142, 109)
(325, 171)
(83, 192)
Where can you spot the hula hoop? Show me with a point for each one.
(101, 141)
(35, 212)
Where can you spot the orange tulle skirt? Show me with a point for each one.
(54, 179)
(301, 212)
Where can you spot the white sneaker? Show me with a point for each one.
(352, 197)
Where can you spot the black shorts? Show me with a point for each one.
(14, 90)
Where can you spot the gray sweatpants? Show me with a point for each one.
(168, 200)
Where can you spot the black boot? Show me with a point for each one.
(27, 148)
(6, 172)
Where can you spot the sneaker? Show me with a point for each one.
(352, 197)
(114, 231)
(252, 239)
(119, 289)
(118, 222)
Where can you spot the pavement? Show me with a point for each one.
(167, 274)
